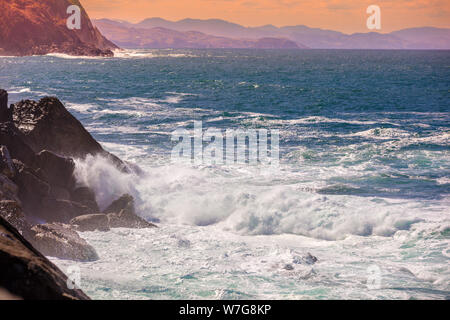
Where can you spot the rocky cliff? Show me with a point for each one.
(42, 206)
(29, 27)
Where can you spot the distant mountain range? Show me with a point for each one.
(129, 36)
(215, 33)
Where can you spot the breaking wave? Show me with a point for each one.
(185, 195)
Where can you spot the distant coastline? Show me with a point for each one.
(30, 31)
(157, 33)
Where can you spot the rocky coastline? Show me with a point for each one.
(42, 206)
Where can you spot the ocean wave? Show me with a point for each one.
(187, 195)
(147, 53)
(19, 90)
(133, 113)
(97, 128)
(102, 176)
(82, 107)
(71, 57)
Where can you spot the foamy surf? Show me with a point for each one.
(363, 181)
(149, 54)
(72, 57)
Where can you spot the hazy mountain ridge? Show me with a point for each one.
(413, 38)
(161, 37)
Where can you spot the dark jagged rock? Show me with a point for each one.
(39, 201)
(128, 219)
(12, 212)
(59, 193)
(86, 197)
(61, 241)
(121, 214)
(32, 189)
(8, 189)
(58, 210)
(288, 267)
(14, 140)
(6, 163)
(47, 125)
(58, 171)
(124, 202)
(91, 222)
(29, 27)
(40, 141)
(308, 259)
(27, 274)
(5, 111)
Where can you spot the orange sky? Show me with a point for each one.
(343, 15)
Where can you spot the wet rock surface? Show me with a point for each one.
(6, 164)
(121, 214)
(12, 212)
(8, 189)
(61, 241)
(39, 197)
(91, 222)
(27, 274)
(5, 112)
(86, 197)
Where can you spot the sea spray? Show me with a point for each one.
(107, 181)
(182, 194)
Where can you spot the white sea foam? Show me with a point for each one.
(94, 128)
(72, 57)
(147, 53)
(20, 90)
(134, 113)
(176, 261)
(82, 107)
(132, 54)
(247, 205)
(229, 232)
(104, 178)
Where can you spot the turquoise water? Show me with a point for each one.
(364, 177)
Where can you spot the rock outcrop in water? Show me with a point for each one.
(5, 112)
(60, 240)
(29, 27)
(119, 214)
(39, 195)
(40, 140)
(91, 222)
(47, 125)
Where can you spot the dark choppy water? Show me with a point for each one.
(365, 165)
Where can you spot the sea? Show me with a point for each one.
(357, 208)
